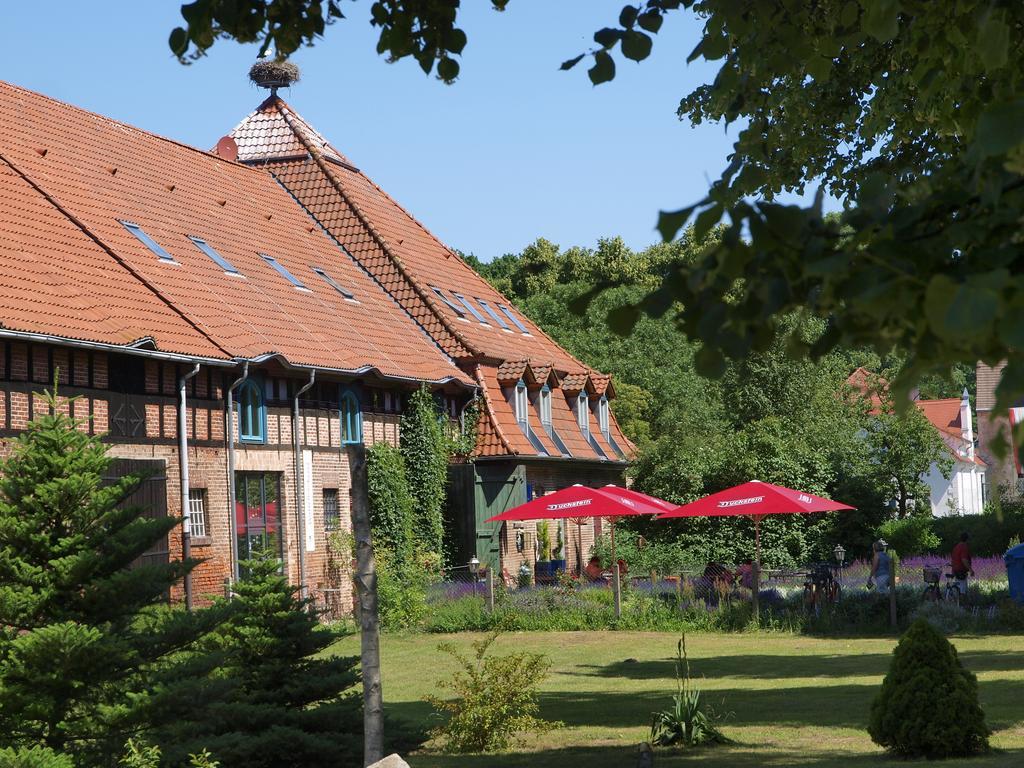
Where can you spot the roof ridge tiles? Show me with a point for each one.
(382, 243)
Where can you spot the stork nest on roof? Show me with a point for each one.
(268, 73)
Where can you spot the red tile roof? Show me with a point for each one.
(409, 263)
(97, 171)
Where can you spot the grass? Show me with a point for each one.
(790, 700)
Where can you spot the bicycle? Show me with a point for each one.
(821, 587)
(932, 593)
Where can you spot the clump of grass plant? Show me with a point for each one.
(689, 722)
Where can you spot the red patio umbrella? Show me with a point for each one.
(578, 501)
(756, 499)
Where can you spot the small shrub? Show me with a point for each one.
(139, 754)
(34, 757)
(928, 704)
(495, 698)
(913, 535)
(689, 722)
(946, 617)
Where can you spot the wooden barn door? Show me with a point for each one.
(150, 496)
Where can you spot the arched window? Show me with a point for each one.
(351, 419)
(602, 416)
(252, 412)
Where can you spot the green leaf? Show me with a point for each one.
(636, 45)
(448, 69)
(670, 222)
(849, 15)
(706, 219)
(455, 40)
(178, 41)
(603, 69)
(709, 362)
(993, 41)
(628, 16)
(1000, 129)
(819, 68)
(607, 37)
(570, 63)
(622, 319)
(881, 18)
(962, 311)
(650, 21)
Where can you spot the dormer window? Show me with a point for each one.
(521, 402)
(603, 422)
(583, 413)
(545, 407)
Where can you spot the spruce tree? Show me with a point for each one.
(270, 700)
(80, 625)
(928, 705)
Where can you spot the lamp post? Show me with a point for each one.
(474, 569)
(840, 554)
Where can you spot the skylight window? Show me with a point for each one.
(472, 310)
(515, 320)
(490, 311)
(334, 284)
(215, 257)
(451, 304)
(149, 242)
(283, 272)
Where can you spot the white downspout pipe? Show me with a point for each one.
(229, 434)
(300, 518)
(186, 532)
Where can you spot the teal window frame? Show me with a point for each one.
(257, 412)
(350, 410)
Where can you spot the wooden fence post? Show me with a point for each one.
(366, 589)
(894, 568)
(490, 590)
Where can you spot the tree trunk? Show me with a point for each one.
(366, 589)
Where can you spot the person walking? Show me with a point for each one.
(962, 564)
(881, 568)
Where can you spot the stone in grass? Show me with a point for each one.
(928, 705)
(391, 761)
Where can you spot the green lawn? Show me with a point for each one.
(792, 701)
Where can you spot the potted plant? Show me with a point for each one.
(558, 561)
(542, 570)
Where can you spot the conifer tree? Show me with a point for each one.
(270, 700)
(80, 625)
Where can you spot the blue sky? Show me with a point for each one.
(515, 150)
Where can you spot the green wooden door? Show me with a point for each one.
(498, 488)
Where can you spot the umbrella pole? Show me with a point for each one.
(757, 568)
(616, 588)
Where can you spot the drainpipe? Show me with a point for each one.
(186, 533)
(301, 528)
(229, 434)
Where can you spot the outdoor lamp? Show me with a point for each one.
(840, 554)
(474, 565)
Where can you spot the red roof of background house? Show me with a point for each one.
(943, 414)
(89, 173)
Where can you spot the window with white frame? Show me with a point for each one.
(197, 513)
(583, 412)
(521, 402)
(602, 416)
(545, 407)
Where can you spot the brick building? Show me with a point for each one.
(235, 321)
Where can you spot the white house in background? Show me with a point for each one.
(963, 493)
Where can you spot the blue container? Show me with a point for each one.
(1014, 559)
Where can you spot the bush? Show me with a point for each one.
(33, 757)
(910, 536)
(928, 705)
(495, 698)
(991, 532)
(402, 589)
